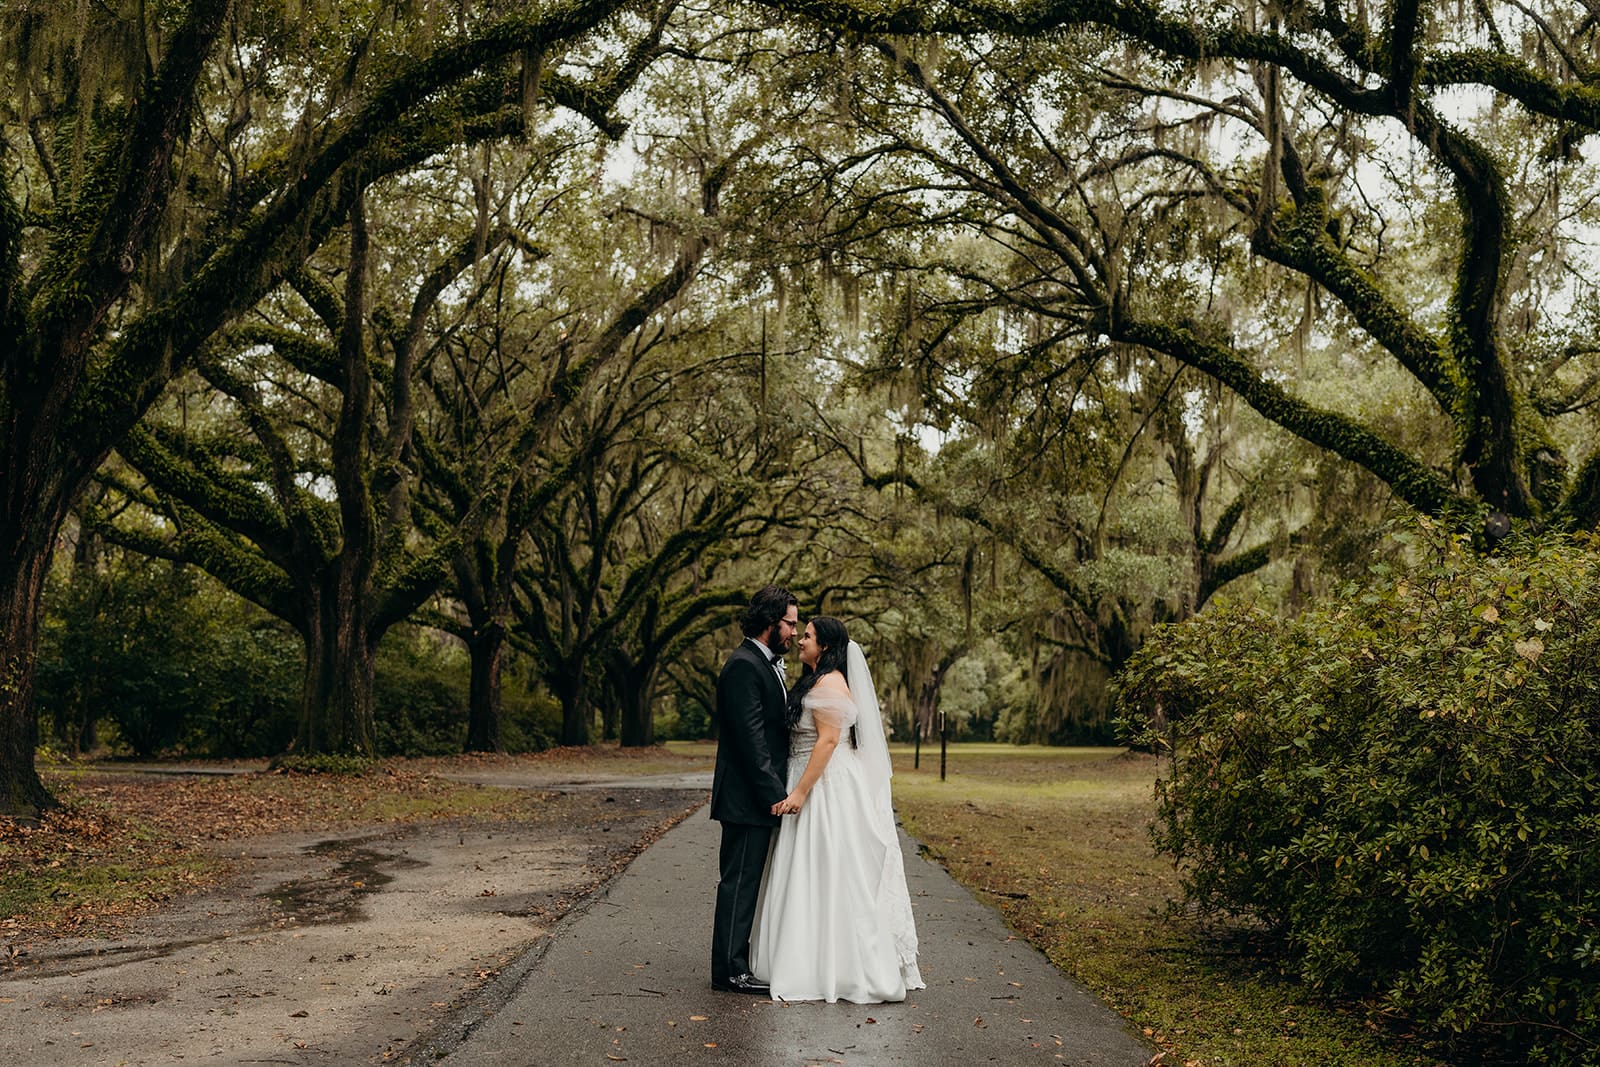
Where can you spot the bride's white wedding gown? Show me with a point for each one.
(834, 918)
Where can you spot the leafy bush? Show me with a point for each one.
(168, 658)
(251, 674)
(1404, 783)
(419, 694)
(530, 718)
(323, 763)
(421, 688)
(679, 717)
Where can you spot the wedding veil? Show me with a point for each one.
(872, 746)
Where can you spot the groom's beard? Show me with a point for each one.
(777, 644)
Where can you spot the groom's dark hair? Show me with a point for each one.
(770, 604)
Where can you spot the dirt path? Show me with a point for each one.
(325, 949)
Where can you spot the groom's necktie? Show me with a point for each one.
(777, 667)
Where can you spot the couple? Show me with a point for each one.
(804, 775)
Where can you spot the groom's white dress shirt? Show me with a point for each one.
(777, 664)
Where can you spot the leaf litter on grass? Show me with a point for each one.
(124, 843)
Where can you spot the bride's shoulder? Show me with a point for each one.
(830, 701)
(832, 688)
(832, 682)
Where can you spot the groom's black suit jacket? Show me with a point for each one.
(752, 740)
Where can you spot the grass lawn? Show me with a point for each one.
(1056, 839)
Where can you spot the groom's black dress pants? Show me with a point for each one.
(741, 860)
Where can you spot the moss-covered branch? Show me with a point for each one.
(310, 521)
(1299, 239)
(1417, 484)
(212, 494)
(380, 138)
(1236, 566)
(1576, 102)
(83, 275)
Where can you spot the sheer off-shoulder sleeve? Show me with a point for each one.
(835, 709)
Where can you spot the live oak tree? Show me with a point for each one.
(634, 559)
(302, 502)
(169, 166)
(534, 383)
(718, 499)
(1106, 494)
(503, 372)
(691, 486)
(1079, 458)
(1413, 174)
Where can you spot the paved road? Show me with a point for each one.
(627, 981)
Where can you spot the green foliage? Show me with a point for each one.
(174, 664)
(682, 718)
(170, 659)
(323, 763)
(419, 695)
(420, 699)
(530, 718)
(251, 682)
(1404, 783)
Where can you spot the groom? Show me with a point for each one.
(752, 760)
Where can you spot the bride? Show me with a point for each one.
(834, 917)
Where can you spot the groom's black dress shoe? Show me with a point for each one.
(743, 983)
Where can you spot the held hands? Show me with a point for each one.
(791, 804)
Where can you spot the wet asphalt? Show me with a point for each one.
(628, 981)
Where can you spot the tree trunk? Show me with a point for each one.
(927, 708)
(487, 647)
(21, 593)
(638, 728)
(925, 701)
(336, 708)
(90, 591)
(575, 712)
(336, 701)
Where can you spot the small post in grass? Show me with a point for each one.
(944, 736)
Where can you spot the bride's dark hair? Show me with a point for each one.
(834, 640)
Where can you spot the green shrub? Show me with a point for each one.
(165, 656)
(252, 676)
(323, 763)
(682, 718)
(419, 693)
(421, 688)
(1405, 784)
